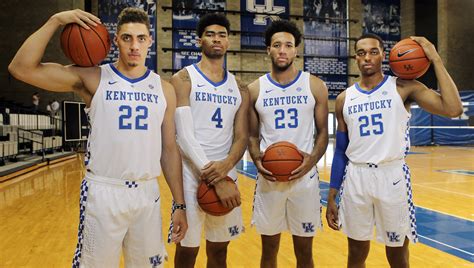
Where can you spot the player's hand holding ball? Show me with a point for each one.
(282, 159)
(410, 58)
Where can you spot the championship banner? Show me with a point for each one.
(184, 23)
(108, 14)
(253, 25)
(326, 43)
(382, 17)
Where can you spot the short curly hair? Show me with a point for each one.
(278, 26)
(211, 19)
(133, 15)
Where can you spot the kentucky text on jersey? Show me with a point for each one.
(212, 97)
(276, 101)
(369, 106)
(131, 96)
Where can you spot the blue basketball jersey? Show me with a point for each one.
(286, 112)
(377, 123)
(125, 116)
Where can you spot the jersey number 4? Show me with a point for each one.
(377, 125)
(126, 113)
(292, 115)
(217, 117)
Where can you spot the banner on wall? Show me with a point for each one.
(108, 14)
(183, 21)
(382, 17)
(255, 24)
(326, 43)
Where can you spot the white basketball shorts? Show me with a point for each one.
(378, 195)
(118, 215)
(217, 228)
(293, 206)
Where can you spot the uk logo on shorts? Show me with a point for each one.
(393, 237)
(234, 230)
(308, 227)
(156, 261)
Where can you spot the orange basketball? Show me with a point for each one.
(209, 201)
(408, 60)
(281, 158)
(85, 47)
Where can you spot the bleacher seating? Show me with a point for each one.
(23, 131)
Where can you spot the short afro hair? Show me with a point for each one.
(133, 15)
(278, 26)
(211, 19)
(371, 36)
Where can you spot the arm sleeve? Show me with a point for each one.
(340, 160)
(186, 139)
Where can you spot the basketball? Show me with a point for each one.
(209, 201)
(85, 47)
(281, 159)
(408, 60)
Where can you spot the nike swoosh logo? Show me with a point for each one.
(313, 175)
(353, 98)
(405, 52)
(112, 82)
(268, 91)
(200, 85)
(395, 183)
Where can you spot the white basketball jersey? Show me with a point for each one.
(286, 112)
(125, 117)
(213, 106)
(377, 123)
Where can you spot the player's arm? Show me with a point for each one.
(217, 170)
(171, 163)
(339, 163)
(448, 103)
(254, 132)
(184, 120)
(320, 93)
(27, 67)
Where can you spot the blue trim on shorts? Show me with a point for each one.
(76, 261)
(447, 233)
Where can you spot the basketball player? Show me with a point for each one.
(372, 141)
(286, 105)
(213, 134)
(131, 114)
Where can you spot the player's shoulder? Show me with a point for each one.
(407, 84)
(254, 85)
(341, 97)
(254, 88)
(318, 86)
(243, 87)
(314, 79)
(166, 85)
(181, 79)
(89, 77)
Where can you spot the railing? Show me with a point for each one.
(33, 141)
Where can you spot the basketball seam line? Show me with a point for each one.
(85, 47)
(100, 38)
(281, 160)
(67, 43)
(409, 59)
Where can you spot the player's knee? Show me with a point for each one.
(358, 251)
(270, 249)
(398, 257)
(186, 254)
(217, 251)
